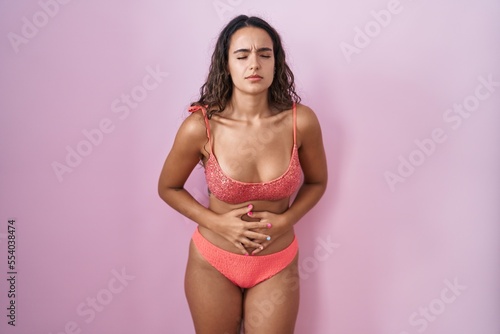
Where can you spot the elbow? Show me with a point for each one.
(166, 192)
(320, 186)
(163, 190)
(163, 193)
(160, 188)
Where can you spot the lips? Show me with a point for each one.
(254, 77)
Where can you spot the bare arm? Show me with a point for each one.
(313, 161)
(183, 157)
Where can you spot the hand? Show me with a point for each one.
(274, 225)
(241, 233)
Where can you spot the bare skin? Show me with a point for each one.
(252, 143)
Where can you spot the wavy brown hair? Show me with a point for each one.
(217, 90)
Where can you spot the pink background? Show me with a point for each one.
(397, 249)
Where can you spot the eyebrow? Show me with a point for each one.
(258, 50)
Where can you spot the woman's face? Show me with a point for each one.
(251, 60)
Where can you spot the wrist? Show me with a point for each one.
(288, 219)
(211, 221)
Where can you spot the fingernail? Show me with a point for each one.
(250, 213)
(246, 254)
(250, 206)
(268, 238)
(261, 247)
(269, 225)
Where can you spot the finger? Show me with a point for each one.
(260, 231)
(247, 243)
(257, 236)
(240, 246)
(258, 225)
(258, 249)
(259, 214)
(243, 210)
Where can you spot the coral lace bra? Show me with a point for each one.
(233, 191)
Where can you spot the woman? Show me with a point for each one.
(253, 138)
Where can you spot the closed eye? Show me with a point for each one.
(245, 57)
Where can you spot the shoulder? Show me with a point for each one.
(194, 123)
(308, 127)
(193, 129)
(307, 120)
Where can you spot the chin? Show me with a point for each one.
(255, 90)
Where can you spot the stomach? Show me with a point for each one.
(276, 207)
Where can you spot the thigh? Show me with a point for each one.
(271, 307)
(214, 301)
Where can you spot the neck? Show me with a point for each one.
(246, 107)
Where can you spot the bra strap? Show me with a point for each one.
(207, 124)
(294, 124)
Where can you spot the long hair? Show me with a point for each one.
(217, 90)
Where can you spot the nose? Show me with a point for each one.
(254, 61)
